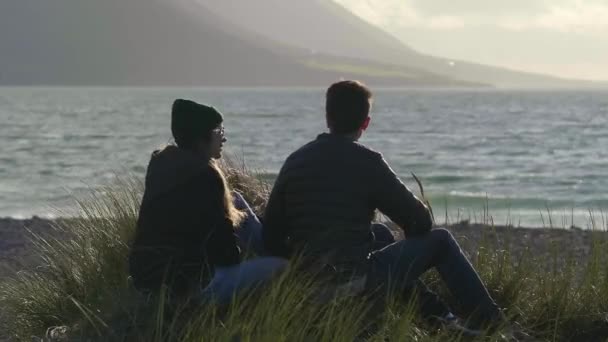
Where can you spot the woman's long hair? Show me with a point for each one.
(232, 214)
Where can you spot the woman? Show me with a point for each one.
(188, 227)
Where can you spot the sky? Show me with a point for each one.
(566, 38)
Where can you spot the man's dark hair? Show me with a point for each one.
(347, 106)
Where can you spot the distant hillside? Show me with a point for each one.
(326, 27)
(165, 42)
(320, 26)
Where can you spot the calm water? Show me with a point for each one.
(520, 153)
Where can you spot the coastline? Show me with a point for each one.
(17, 252)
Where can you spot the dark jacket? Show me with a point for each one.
(182, 231)
(325, 198)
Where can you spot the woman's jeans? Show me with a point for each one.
(397, 267)
(227, 281)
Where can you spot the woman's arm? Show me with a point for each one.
(250, 231)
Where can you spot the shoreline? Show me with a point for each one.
(17, 252)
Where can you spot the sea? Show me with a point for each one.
(533, 158)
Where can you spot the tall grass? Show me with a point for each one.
(81, 291)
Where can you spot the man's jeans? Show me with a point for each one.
(397, 267)
(250, 273)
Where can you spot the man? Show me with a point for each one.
(325, 198)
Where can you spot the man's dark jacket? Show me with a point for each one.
(325, 198)
(182, 231)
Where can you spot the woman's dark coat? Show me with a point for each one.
(182, 230)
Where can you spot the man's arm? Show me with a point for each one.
(274, 233)
(397, 202)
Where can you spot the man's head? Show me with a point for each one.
(347, 107)
(198, 128)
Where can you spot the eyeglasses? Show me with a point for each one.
(219, 131)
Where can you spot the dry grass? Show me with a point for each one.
(81, 285)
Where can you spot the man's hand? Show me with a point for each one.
(424, 200)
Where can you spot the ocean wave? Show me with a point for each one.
(482, 199)
(446, 179)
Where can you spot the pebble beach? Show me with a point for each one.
(17, 252)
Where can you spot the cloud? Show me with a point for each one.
(576, 16)
(445, 22)
(572, 17)
(400, 14)
(477, 7)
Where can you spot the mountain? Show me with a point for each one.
(168, 43)
(316, 25)
(324, 26)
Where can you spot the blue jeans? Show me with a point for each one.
(398, 266)
(227, 281)
(428, 301)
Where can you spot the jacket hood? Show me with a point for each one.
(169, 168)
